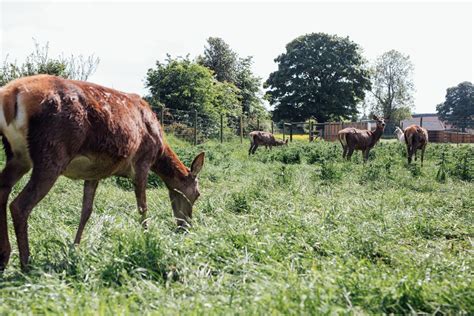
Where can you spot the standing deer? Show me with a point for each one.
(416, 137)
(82, 131)
(400, 134)
(266, 139)
(360, 139)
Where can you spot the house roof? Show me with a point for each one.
(430, 121)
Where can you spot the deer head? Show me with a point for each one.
(183, 197)
(380, 121)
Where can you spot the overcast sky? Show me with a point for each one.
(129, 37)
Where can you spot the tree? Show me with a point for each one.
(220, 58)
(319, 75)
(229, 67)
(392, 85)
(458, 108)
(185, 85)
(38, 62)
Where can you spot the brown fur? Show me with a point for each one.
(416, 138)
(356, 139)
(258, 138)
(84, 131)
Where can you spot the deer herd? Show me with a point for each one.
(54, 126)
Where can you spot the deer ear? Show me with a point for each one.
(197, 164)
(286, 141)
(374, 117)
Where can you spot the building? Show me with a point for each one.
(430, 121)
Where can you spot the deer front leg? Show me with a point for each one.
(365, 155)
(90, 187)
(13, 172)
(41, 181)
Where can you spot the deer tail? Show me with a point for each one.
(342, 139)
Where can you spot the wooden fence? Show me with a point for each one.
(450, 137)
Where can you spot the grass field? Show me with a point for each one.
(290, 231)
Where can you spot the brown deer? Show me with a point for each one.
(416, 137)
(360, 139)
(82, 131)
(266, 139)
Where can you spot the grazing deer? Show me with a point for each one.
(360, 139)
(400, 134)
(416, 137)
(82, 131)
(266, 139)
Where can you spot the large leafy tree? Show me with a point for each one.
(182, 84)
(392, 85)
(458, 108)
(229, 67)
(39, 62)
(319, 75)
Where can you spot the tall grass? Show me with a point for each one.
(294, 230)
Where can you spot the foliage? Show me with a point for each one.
(267, 238)
(39, 62)
(220, 58)
(185, 85)
(458, 108)
(321, 76)
(393, 86)
(229, 67)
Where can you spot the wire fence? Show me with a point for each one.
(198, 127)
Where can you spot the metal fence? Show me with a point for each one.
(197, 128)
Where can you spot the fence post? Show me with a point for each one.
(284, 124)
(258, 124)
(421, 121)
(241, 130)
(222, 128)
(195, 126)
(162, 115)
(310, 131)
(291, 132)
(272, 126)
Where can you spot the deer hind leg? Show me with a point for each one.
(349, 153)
(42, 179)
(10, 175)
(140, 182)
(250, 149)
(90, 187)
(344, 152)
(422, 154)
(255, 146)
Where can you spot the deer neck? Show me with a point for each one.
(377, 134)
(170, 169)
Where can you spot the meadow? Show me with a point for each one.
(294, 230)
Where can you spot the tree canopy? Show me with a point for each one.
(182, 84)
(320, 75)
(392, 85)
(458, 107)
(229, 67)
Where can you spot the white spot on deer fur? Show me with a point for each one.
(16, 132)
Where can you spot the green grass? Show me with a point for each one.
(290, 231)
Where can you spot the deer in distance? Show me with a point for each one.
(400, 134)
(83, 131)
(416, 138)
(360, 139)
(258, 138)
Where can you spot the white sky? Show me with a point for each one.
(129, 37)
